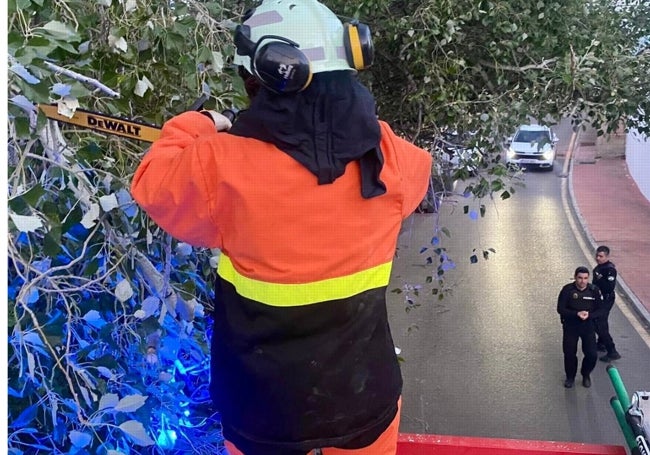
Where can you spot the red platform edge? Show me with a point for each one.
(430, 444)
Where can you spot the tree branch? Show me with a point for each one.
(544, 65)
(81, 78)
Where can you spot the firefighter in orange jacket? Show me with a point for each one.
(304, 195)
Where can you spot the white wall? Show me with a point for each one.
(637, 155)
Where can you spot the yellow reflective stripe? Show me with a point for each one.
(287, 295)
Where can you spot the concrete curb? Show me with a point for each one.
(622, 287)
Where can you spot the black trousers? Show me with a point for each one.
(584, 331)
(602, 328)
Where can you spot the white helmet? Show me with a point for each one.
(315, 29)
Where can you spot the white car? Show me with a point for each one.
(532, 146)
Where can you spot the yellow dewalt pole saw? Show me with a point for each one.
(104, 123)
(108, 124)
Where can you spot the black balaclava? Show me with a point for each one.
(329, 124)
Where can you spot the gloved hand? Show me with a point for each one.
(221, 122)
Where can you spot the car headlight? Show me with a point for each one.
(548, 154)
(510, 153)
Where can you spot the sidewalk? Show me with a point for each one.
(613, 212)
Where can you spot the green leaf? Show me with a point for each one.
(107, 361)
(38, 93)
(52, 323)
(176, 41)
(136, 432)
(91, 267)
(80, 439)
(181, 10)
(67, 47)
(71, 219)
(25, 418)
(19, 206)
(184, 26)
(188, 289)
(54, 340)
(204, 55)
(15, 40)
(90, 152)
(59, 31)
(33, 195)
(52, 242)
(150, 325)
(110, 400)
(23, 4)
(38, 41)
(23, 130)
(496, 185)
(130, 403)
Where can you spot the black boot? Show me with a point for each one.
(611, 356)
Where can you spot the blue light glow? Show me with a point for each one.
(166, 439)
(181, 368)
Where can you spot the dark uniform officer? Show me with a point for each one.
(579, 304)
(604, 277)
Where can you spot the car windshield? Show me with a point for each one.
(532, 136)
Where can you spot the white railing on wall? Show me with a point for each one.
(637, 155)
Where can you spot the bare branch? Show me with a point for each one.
(81, 78)
(544, 65)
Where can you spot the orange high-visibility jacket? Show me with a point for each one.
(302, 355)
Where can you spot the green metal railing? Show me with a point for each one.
(620, 403)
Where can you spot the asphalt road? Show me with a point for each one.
(486, 360)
